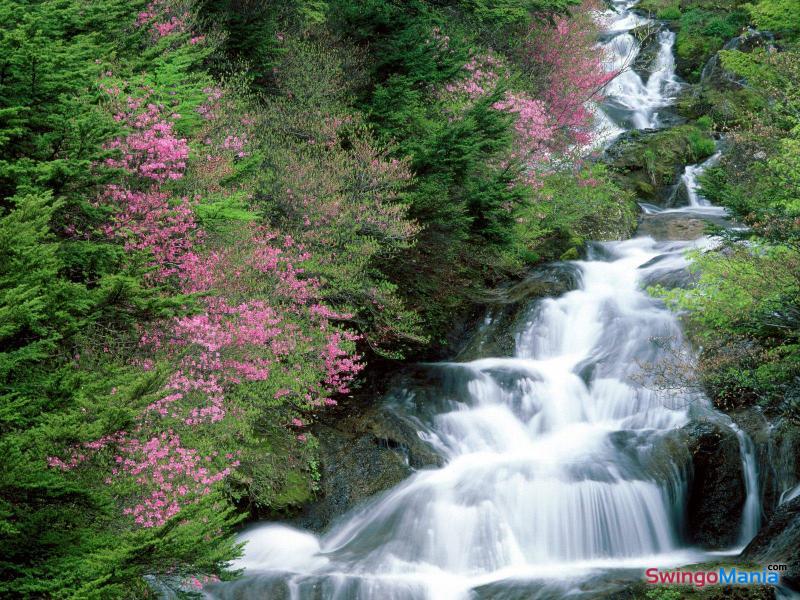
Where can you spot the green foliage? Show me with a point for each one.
(664, 593)
(744, 310)
(777, 16)
(670, 13)
(513, 12)
(65, 292)
(702, 32)
(569, 210)
(644, 163)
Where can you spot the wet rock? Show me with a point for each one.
(647, 36)
(778, 542)
(615, 583)
(505, 306)
(679, 196)
(643, 591)
(717, 491)
(363, 455)
(672, 226)
(778, 454)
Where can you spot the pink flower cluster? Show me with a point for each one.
(534, 129)
(151, 150)
(165, 17)
(483, 73)
(150, 221)
(563, 56)
(566, 57)
(172, 473)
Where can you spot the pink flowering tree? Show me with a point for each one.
(257, 352)
(563, 60)
(563, 71)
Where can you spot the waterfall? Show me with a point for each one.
(751, 515)
(690, 180)
(633, 101)
(556, 460)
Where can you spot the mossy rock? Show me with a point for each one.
(571, 254)
(363, 454)
(648, 162)
(665, 10)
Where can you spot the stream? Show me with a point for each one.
(557, 472)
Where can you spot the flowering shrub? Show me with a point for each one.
(258, 316)
(565, 58)
(562, 60)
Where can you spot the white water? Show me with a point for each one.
(690, 180)
(751, 515)
(554, 459)
(556, 468)
(635, 101)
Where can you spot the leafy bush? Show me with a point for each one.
(702, 32)
(777, 16)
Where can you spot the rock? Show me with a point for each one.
(647, 36)
(672, 226)
(716, 76)
(649, 162)
(506, 304)
(679, 196)
(364, 454)
(717, 490)
(778, 451)
(778, 542)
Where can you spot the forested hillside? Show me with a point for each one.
(215, 215)
(218, 218)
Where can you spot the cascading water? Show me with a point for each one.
(556, 460)
(632, 102)
(689, 179)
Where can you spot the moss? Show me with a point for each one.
(662, 9)
(297, 489)
(702, 32)
(571, 254)
(644, 591)
(725, 108)
(647, 163)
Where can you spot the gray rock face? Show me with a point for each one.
(363, 455)
(649, 162)
(672, 226)
(779, 543)
(505, 305)
(717, 492)
(647, 36)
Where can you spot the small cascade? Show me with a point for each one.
(690, 180)
(751, 515)
(631, 102)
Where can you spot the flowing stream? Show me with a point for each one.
(559, 463)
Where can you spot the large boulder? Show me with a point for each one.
(645, 61)
(672, 226)
(362, 455)
(506, 305)
(649, 162)
(717, 491)
(778, 542)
